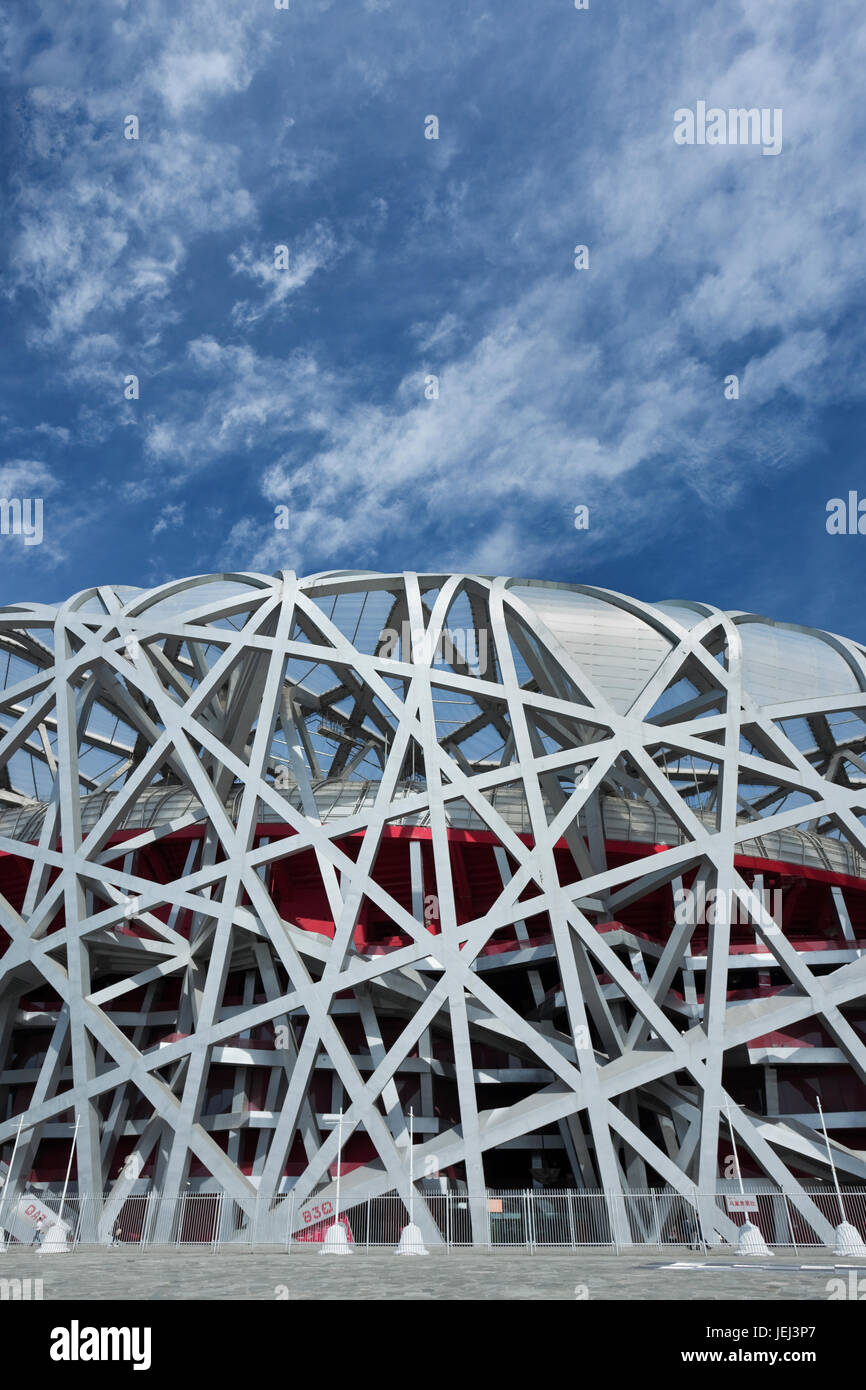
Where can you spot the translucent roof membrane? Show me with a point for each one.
(210, 592)
(782, 664)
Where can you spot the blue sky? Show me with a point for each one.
(411, 257)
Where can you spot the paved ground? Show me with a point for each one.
(305, 1274)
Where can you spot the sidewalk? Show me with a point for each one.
(380, 1275)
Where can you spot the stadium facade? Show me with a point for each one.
(577, 880)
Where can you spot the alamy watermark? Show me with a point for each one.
(416, 644)
(854, 1289)
(736, 126)
(846, 518)
(77, 1343)
(22, 516)
(709, 907)
(16, 1290)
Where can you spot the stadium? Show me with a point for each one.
(538, 887)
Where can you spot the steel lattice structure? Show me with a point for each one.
(272, 847)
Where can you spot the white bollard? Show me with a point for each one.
(411, 1241)
(751, 1242)
(335, 1242)
(54, 1242)
(849, 1241)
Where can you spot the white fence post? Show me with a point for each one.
(217, 1223)
(790, 1224)
(656, 1218)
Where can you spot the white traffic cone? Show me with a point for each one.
(751, 1242)
(411, 1241)
(335, 1242)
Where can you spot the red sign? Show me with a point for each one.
(317, 1224)
(34, 1211)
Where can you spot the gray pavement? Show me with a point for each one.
(460, 1275)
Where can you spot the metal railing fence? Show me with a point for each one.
(535, 1219)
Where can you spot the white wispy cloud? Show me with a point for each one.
(46, 519)
(245, 400)
(105, 224)
(704, 262)
(172, 514)
(90, 250)
(453, 259)
(316, 249)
